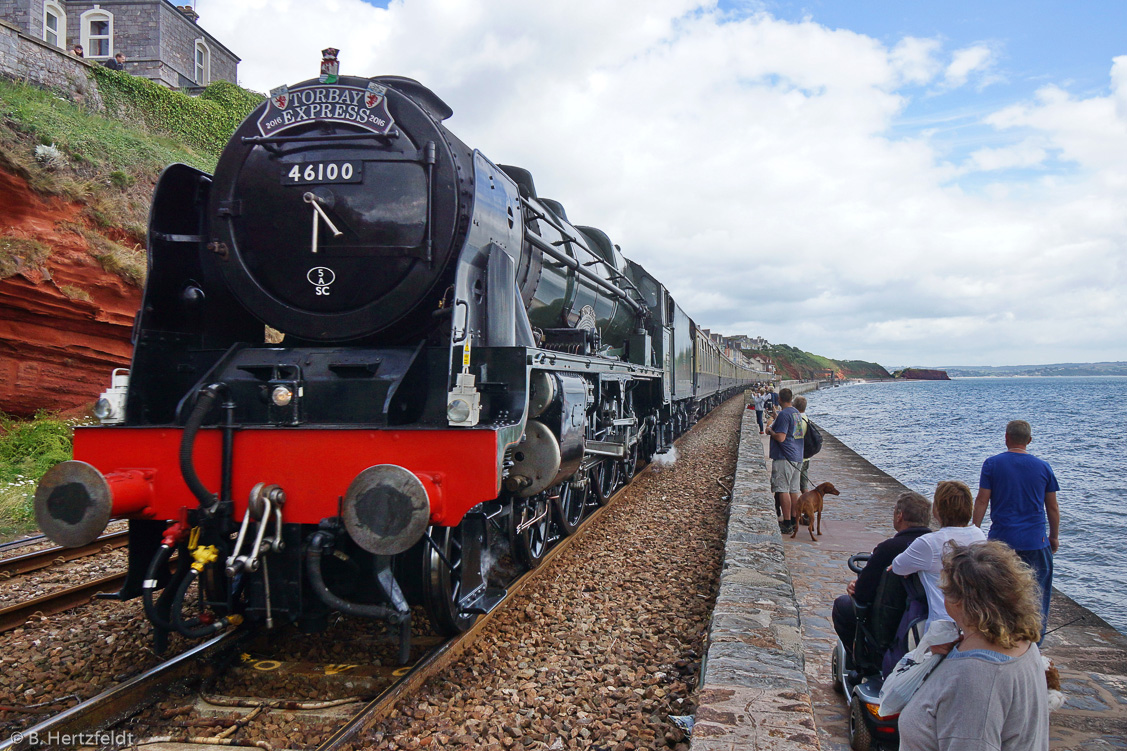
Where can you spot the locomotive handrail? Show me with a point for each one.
(569, 238)
(577, 267)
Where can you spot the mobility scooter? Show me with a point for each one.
(887, 629)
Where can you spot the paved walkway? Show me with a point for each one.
(1091, 656)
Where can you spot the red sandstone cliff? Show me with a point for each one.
(56, 352)
(923, 374)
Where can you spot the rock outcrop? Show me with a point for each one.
(64, 323)
(923, 374)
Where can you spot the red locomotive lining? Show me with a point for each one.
(314, 466)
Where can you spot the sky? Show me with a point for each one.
(909, 182)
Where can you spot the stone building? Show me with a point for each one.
(161, 41)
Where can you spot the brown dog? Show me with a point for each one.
(810, 503)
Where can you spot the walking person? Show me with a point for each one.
(76, 50)
(786, 459)
(1021, 493)
(759, 399)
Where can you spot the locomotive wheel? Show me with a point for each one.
(442, 584)
(630, 464)
(605, 480)
(568, 508)
(532, 539)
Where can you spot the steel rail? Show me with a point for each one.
(14, 616)
(21, 542)
(127, 698)
(22, 564)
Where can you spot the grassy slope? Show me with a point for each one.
(793, 363)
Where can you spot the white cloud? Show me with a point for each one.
(977, 59)
(1030, 152)
(917, 59)
(747, 162)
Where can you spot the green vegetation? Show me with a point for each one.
(18, 253)
(28, 448)
(110, 162)
(793, 363)
(75, 293)
(90, 142)
(128, 263)
(205, 122)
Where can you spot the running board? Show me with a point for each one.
(484, 603)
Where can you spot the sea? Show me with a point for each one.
(921, 432)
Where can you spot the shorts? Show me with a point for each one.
(784, 476)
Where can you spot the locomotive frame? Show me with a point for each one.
(464, 374)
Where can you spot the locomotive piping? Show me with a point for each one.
(155, 566)
(313, 564)
(186, 627)
(208, 395)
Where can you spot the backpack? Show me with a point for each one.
(812, 441)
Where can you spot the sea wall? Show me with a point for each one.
(753, 691)
(766, 681)
(800, 387)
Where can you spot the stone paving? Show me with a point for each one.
(1091, 656)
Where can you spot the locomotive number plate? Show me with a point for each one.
(312, 173)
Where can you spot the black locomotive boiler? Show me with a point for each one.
(368, 363)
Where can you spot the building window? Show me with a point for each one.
(54, 24)
(203, 63)
(97, 33)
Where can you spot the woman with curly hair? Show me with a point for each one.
(989, 694)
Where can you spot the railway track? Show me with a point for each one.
(41, 559)
(93, 719)
(14, 615)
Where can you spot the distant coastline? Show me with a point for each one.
(1058, 370)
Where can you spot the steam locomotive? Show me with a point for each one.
(368, 363)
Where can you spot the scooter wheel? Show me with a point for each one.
(835, 671)
(860, 737)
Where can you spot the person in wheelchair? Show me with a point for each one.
(910, 520)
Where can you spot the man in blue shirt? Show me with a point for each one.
(786, 458)
(1021, 491)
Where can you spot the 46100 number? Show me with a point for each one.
(311, 173)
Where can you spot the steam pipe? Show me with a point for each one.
(208, 395)
(313, 557)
